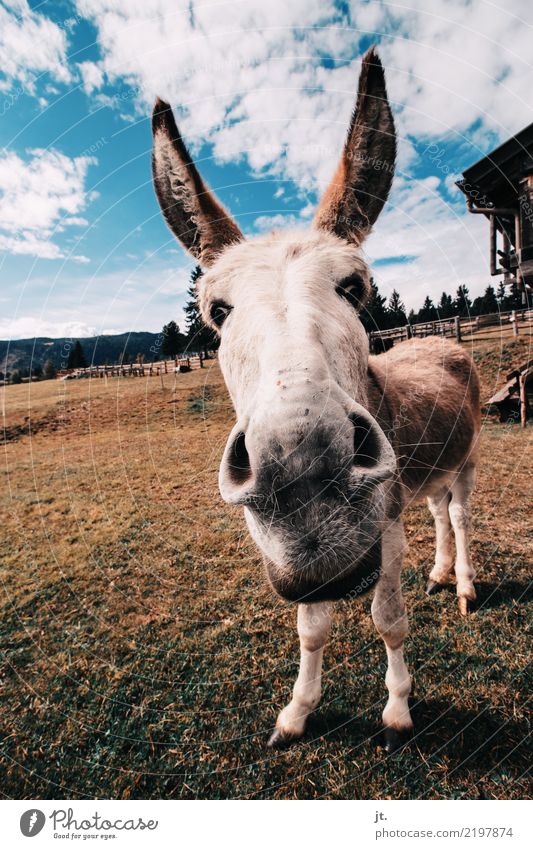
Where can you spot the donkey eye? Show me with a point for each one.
(351, 288)
(219, 312)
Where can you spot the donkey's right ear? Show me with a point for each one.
(192, 212)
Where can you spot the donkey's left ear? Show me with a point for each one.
(361, 184)
(192, 212)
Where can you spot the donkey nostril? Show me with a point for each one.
(239, 461)
(365, 443)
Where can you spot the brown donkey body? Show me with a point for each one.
(329, 444)
(425, 395)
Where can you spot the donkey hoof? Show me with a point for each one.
(434, 587)
(279, 740)
(396, 738)
(464, 605)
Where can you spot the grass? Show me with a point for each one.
(144, 656)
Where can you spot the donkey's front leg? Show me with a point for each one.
(390, 619)
(314, 625)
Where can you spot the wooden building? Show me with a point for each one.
(514, 400)
(500, 186)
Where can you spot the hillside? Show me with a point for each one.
(146, 657)
(26, 353)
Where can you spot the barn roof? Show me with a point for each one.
(497, 174)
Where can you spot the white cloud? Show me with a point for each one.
(254, 85)
(30, 44)
(258, 89)
(143, 296)
(456, 63)
(92, 76)
(28, 327)
(249, 79)
(253, 88)
(279, 221)
(40, 197)
(444, 247)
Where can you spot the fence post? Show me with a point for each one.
(457, 321)
(514, 322)
(201, 360)
(523, 398)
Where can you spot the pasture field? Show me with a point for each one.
(143, 655)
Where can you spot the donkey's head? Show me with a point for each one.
(306, 459)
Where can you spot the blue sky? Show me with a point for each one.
(263, 94)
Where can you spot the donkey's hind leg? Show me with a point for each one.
(442, 571)
(460, 516)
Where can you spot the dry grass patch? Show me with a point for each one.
(143, 655)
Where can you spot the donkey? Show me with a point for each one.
(330, 444)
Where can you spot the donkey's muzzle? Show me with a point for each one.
(282, 469)
(314, 491)
(308, 585)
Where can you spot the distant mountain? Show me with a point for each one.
(26, 353)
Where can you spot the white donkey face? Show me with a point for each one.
(308, 462)
(287, 308)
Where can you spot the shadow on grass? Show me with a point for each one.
(480, 740)
(499, 593)
(340, 726)
(494, 594)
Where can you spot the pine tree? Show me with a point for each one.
(462, 303)
(445, 306)
(199, 337)
(501, 295)
(477, 306)
(76, 357)
(489, 303)
(374, 314)
(428, 311)
(172, 340)
(396, 310)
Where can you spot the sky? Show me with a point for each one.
(262, 92)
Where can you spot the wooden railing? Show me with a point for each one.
(158, 367)
(483, 327)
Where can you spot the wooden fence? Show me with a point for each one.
(159, 367)
(483, 328)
